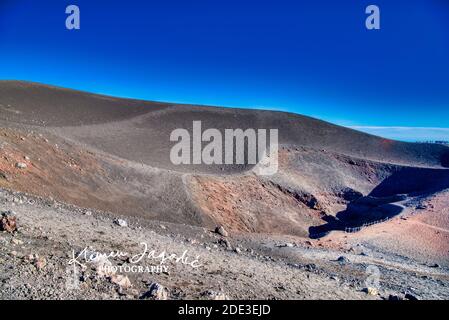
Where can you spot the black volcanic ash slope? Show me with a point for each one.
(140, 130)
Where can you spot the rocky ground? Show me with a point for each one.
(36, 261)
(86, 183)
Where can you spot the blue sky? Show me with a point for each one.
(314, 58)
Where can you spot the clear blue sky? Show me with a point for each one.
(309, 57)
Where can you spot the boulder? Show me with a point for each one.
(40, 263)
(122, 281)
(371, 291)
(121, 223)
(214, 295)
(21, 165)
(225, 243)
(286, 245)
(221, 231)
(4, 176)
(410, 296)
(343, 260)
(8, 222)
(103, 266)
(156, 292)
(392, 297)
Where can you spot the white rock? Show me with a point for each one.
(121, 223)
(17, 241)
(21, 165)
(213, 295)
(103, 266)
(122, 281)
(221, 231)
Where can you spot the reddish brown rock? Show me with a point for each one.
(8, 222)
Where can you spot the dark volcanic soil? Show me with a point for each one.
(111, 154)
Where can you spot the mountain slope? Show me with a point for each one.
(140, 130)
(113, 154)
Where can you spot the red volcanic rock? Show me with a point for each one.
(8, 222)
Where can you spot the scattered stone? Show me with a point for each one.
(40, 263)
(238, 250)
(311, 267)
(156, 292)
(192, 241)
(410, 296)
(122, 281)
(343, 260)
(26, 158)
(294, 265)
(8, 221)
(4, 176)
(371, 291)
(17, 241)
(121, 223)
(221, 231)
(21, 165)
(103, 266)
(436, 265)
(213, 295)
(225, 243)
(286, 245)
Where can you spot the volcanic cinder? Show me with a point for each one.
(113, 155)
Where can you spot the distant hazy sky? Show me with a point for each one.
(309, 57)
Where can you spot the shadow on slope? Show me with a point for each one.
(384, 201)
